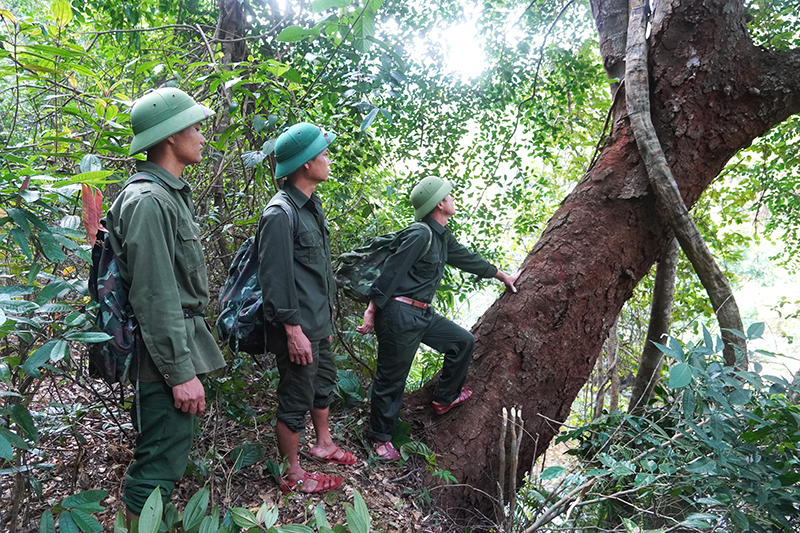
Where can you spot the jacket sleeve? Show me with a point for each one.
(149, 241)
(398, 264)
(276, 267)
(464, 259)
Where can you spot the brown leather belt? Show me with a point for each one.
(410, 301)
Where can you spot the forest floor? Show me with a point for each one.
(89, 443)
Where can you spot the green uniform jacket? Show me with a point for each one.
(405, 273)
(157, 242)
(295, 270)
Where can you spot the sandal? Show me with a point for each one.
(346, 458)
(442, 408)
(325, 483)
(389, 451)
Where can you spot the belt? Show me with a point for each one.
(410, 301)
(191, 313)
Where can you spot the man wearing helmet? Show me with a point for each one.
(298, 288)
(401, 314)
(157, 242)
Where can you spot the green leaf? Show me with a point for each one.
(150, 517)
(259, 124)
(195, 510)
(247, 454)
(53, 350)
(320, 517)
(52, 250)
(91, 337)
(680, 376)
(62, 12)
(318, 6)
(703, 465)
(552, 472)
(6, 451)
(267, 515)
(243, 517)
(755, 331)
(23, 418)
(358, 519)
(47, 524)
(18, 307)
(15, 291)
(19, 237)
(66, 524)
(296, 33)
(86, 522)
(82, 498)
(210, 524)
(367, 122)
(294, 528)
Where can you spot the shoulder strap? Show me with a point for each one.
(430, 236)
(145, 176)
(279, 201)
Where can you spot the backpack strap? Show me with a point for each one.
(430, 238)
(279, 201)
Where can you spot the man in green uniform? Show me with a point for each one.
(153, 233)
(401, 314)
(297, 284)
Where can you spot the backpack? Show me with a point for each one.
(241, 318)
(356, 271)
(111, 360)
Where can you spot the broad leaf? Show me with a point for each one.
(680, 376)
(92, 211)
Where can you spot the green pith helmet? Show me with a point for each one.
(427, 193)
(161, 113)
(298, 145)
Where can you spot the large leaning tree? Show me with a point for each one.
(712, 92)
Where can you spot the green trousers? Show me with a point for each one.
(162, 447)
(400, 329)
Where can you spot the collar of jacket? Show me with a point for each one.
(161, 172)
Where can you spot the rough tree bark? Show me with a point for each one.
(712, 93)
(660, 318)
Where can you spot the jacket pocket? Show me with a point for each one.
(190, 249)
(308, 248)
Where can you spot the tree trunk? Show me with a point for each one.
(712, 93)
(660, 315)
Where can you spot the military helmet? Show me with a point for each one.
(427, 193)
(298, 145)
(161, 113)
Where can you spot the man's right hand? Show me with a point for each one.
(369, 319)
(299, 345)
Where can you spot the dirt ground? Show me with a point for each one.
(90, 447)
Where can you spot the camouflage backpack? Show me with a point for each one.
(111, 360)
(356, 271)
(241, 317)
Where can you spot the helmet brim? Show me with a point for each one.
(157, 133)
